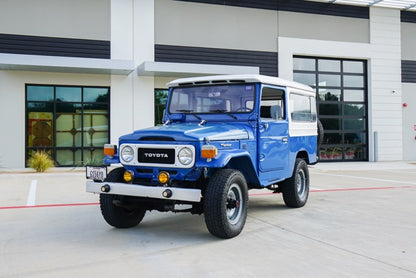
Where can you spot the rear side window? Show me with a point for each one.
(303, 108)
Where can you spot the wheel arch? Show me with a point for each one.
(245, 166)
(303, 155)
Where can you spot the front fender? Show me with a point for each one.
(222, 159)
(111, 160)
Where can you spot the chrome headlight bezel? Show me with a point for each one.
(185, 156)
(127, 153)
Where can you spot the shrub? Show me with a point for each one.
(91, 161)
(40, 161)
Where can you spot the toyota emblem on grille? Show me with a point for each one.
(157, 155)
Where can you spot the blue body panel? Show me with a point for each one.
(261, 149)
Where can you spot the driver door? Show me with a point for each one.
(273, 137)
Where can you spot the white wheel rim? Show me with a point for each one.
(234, 203)
(301, 183)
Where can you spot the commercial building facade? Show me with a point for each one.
(78, 74)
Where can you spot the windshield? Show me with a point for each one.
(235, 98)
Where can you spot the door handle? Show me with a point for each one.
(284, 139)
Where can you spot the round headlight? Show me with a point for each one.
(185, 156)
(127, 153)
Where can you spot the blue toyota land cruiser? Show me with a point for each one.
(222, 136)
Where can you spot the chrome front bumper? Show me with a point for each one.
(157, 192)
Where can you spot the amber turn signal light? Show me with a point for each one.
(209, 151)
(110, 149)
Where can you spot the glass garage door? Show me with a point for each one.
(342, 104)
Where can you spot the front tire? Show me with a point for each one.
(295, 190)
(226, 203)
(116, 215)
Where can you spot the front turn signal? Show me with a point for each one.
(110, 149)
(209, 151)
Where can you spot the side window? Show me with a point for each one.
(303, 108)
(272, 104)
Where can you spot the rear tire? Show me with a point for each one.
(226, 203)
(117, 216)
(296, 189)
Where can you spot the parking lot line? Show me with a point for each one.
(31, 198)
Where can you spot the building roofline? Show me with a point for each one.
(65, 64)
(150, 68)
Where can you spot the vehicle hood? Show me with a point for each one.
(191, 132)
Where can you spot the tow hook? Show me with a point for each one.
(105, 188)
(167, 193)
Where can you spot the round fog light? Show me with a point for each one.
(163, 177)
(128, 176)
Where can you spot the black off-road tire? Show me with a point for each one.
(226, 203)
(117, 216)
(295, 190)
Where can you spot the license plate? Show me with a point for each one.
(97, 173)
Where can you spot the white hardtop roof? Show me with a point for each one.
(248, 78)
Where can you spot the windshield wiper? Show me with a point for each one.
(223, 111)
(188, 112)
(184, 111)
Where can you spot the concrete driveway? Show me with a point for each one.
(359, 222)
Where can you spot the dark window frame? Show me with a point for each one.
(54, 148)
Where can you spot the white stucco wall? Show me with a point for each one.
(385, 96)
(12, 95)
(408, 40)
(56, 18)
(409, 121)
(323, 27)
(217, 26)
(132, 38)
